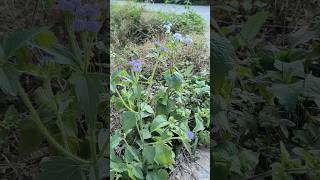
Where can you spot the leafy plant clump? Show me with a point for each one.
(265, 102)
(160, 114)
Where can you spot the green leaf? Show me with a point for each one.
(131, 153)
(295, 68)
(30, 138)
(87, 88)
(312, 88)
(222, 54)
(148, 153)
(146, 108)
(159, 122)
(11, 118)
(137, 172)
(60, 54)
(252, 27)
(129, 120)
(102, 138)
(61, 168)
(199, 123)
(115, 140)
(219, 113)
(157, 175)
(18, 38)
(164, 155)
(174, 80)
(9, 78)
(45, 39)
(288, 94)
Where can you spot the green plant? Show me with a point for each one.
(155, 123)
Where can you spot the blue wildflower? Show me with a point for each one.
(190, 135)
(88, 10)
(136, 65)
(178, 37)
(93, 26)
(157, 43)
(187, 40)
(167, 27)
(162, 49)
(79, 25)
(68, 5)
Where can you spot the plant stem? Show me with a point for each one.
(43, 129)
(63, 132)
(123, 102)
(93, 149)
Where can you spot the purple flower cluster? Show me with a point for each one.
(68, 5)
(187, 39)
(190, 135)
(136, 65)
(84, 15)
(157, 43)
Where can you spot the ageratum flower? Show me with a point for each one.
(68, 5)
(136, 65)
(167, 27)
(79, 25)
(178, 37)
(162, 49)
(187, 40)
(190, 135)
(157, 43)
(88, 11)
(93, 26)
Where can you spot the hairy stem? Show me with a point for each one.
(43, 129)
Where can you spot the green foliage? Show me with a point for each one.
(155, 123)
(266, 95)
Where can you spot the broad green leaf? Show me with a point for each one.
(102, 138)
(174, 80)
(148, 153)
(9, 78)
(147, 108)
(11, 118)
(295, 68)
(159, 122)
(157, 175)
(222, 54)
(131, 153)
(137, 172)
(219, 117)
(164, 155)
(45, 39)
(30, 138)
(18, 38)
(60, 54)
(312, 88)
(199, 123)
(115, 140)
(288, 94)
(252, 27)
(87, 88)
(54, 168)
(129, 120)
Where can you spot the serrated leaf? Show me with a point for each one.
(18, 38)
(30, 138)
(157, 175)
(251, 28)
(148, 153)
(9, 78)
(158, 122)
(61, 168)
(129, 120)
(164, 155)
(115, 140)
